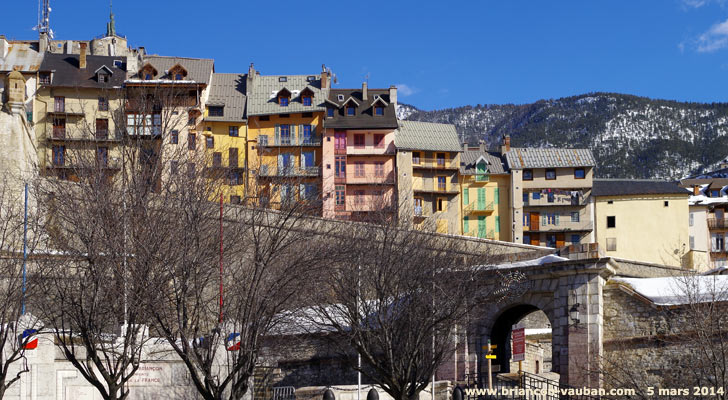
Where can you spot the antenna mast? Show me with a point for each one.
(44, 15)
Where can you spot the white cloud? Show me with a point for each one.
(406, 90)
(714, 39)
(694, 3)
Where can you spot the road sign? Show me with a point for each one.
(490, 356)
(518, 338)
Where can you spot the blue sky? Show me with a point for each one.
(440, 54)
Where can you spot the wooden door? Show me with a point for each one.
(560, 240)
(535, 239)
(535, 217)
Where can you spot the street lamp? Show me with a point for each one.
(574, 313)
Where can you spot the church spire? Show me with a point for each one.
(111, 25)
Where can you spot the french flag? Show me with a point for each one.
(231, 338)
(32, 344)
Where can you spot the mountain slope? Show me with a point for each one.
(633, 137)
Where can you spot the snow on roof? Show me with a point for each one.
(673, 291)
(547, 259)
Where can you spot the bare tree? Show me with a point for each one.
(394, 298)
(19, 237)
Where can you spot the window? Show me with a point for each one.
(285, 132)
(283, 101)
(103, 104)
(59, 155)
(441, 183)
(379, 169)
(102, 129)
(611, 222)
(217, 159)
(215, 111)
(551, 241)
(480, 171)
(173, 167)
(551, 197)
(307, 115)
(264, 118)
(611, 244)
(148, 77)
(102, 157)
(191, 170)
(174, 137)
(415, 157)
(359, 169)
(579, 173)
(177, 77)
(191, 145)
(236, 178)
(527, 174)
(191, 118)
(283, 79)
(441, 204)
(233, 131)
(210, 142)
(536, 195)
(359, 140)
(59, 104)
(263, 140)
(307, 135)
(350, 111)
(418, 206)
(359, 197)
(692, 242)
(379, 111)
(340, 195)
(526, 239)
(692, 219)
(440, 160)
(234, 199)
(306, 100)
(550, 174)
(340, 167)
(575, 239)
(610, 202)
(717, 242)
(379, 141)
(525, 199)
(45, 79)
(340, 97)
(574, 216)
(666, 203)
(715, 193)
(330, 112)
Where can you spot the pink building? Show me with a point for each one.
(359, 171)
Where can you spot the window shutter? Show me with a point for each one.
(280, 163)
(556, 219)
(543, 219)
(496, 195)
(300, 134)
(313, 132)
(466, 224)
(301, 191)
(292, 133)
(278, 134)
(466, 197)
(497, 223)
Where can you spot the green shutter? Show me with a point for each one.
(466, 225)
(496, 196)
(481, 198)
(497, 223)
(481, 226)
(278, 135)
(480, 171)
(466, 197)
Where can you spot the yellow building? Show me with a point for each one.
(484, 185)
(428, 165)
(225, 133)
(77, 109)
(285, 126)
(642, 220)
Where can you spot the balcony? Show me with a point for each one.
(371, 179)
(556, 200)
(289, 141)
(435, 163)
(289, 172)
(480, 234)
(473, 208)
(561, 227)
(439, 189)
(717, 223)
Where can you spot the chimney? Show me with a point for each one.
(325, 78)
(364, 91)
(43, 43)
(393, 95)
(249, 79)
(481, 145)
(696, 190)
(82, 57)
(4, 47)
(506, 146)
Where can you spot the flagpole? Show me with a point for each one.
(25, 245)
(220, 257)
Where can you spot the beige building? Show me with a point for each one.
(428, 166)
(549, 193)
(643, 220)
(708, 225)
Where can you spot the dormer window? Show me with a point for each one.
(148, 72)
(284, 97)
(307, 97)
(178, 72)
(215, 111)
(282, 79)
(283, 101)
(340, 97)
(103, 74)
(148, 77)
(378, 111)
(350, 110)
(330, 112)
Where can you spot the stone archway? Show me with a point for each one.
(500, 333)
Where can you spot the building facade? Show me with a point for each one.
(359, 174)
(484, 194)
(428, 168)
(550, 191)
(642, 220)
(708, 222)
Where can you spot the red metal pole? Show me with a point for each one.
(220, 257)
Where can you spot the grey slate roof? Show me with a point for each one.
(621, 187)
(468, 159)
(262, 98)
(228, 90)
(520, 158)
(198, 69)
(22, 56)
(68, 74)
(427, 136)
(364, 113)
